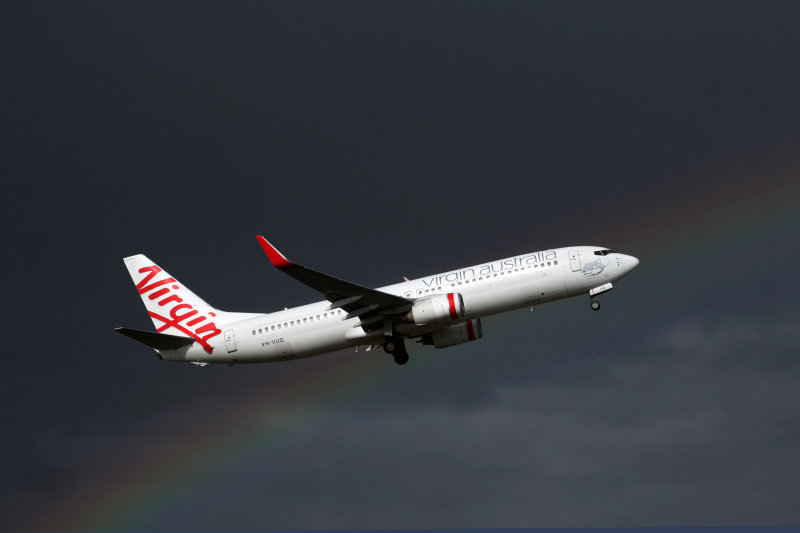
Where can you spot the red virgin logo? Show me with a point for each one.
(182, 316)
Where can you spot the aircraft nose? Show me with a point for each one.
(629, 263)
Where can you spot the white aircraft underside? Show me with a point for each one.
(441, 310)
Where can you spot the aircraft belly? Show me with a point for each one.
(501, 296)
(279, 346)
(552, 287)
(266, 348)
(316, 342)
(250, 349)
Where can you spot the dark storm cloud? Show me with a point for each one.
(373, 141)
(669, 439)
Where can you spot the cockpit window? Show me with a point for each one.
(603, 252)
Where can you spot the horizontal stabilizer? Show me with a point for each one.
(159, 341)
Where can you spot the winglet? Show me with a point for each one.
(277, 258)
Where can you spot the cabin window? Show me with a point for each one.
(305, 320)
(549, 264)
(254, 332)
(291, 323)
(555, 262)
(259, 330)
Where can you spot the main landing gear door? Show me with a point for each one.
(230, 341)
(574, 260)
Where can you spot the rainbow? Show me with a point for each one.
(144, 487)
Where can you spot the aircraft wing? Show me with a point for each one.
(369, 305)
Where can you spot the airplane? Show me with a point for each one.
(441, 310)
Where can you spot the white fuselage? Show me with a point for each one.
(488, 288)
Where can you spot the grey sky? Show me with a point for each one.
(379, 140)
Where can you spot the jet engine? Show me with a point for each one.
(457, 334)
(436, 308)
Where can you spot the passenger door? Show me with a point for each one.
(230, 341)
(575, 260)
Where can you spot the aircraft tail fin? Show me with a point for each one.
(173, 307)
(165, 298)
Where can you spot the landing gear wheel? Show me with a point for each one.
(595, 305)
(401, 358)
(397, 349)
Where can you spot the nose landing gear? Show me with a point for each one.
(597, 290)
(395, 346)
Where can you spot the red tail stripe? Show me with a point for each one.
(172, 324)
(143, 289)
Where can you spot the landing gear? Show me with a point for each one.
(397, 349)
(597, 290)
(401, 358)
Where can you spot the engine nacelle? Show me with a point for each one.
(458, 334)
(436, 308)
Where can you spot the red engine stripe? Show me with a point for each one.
(451, 299)
(470, 330)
